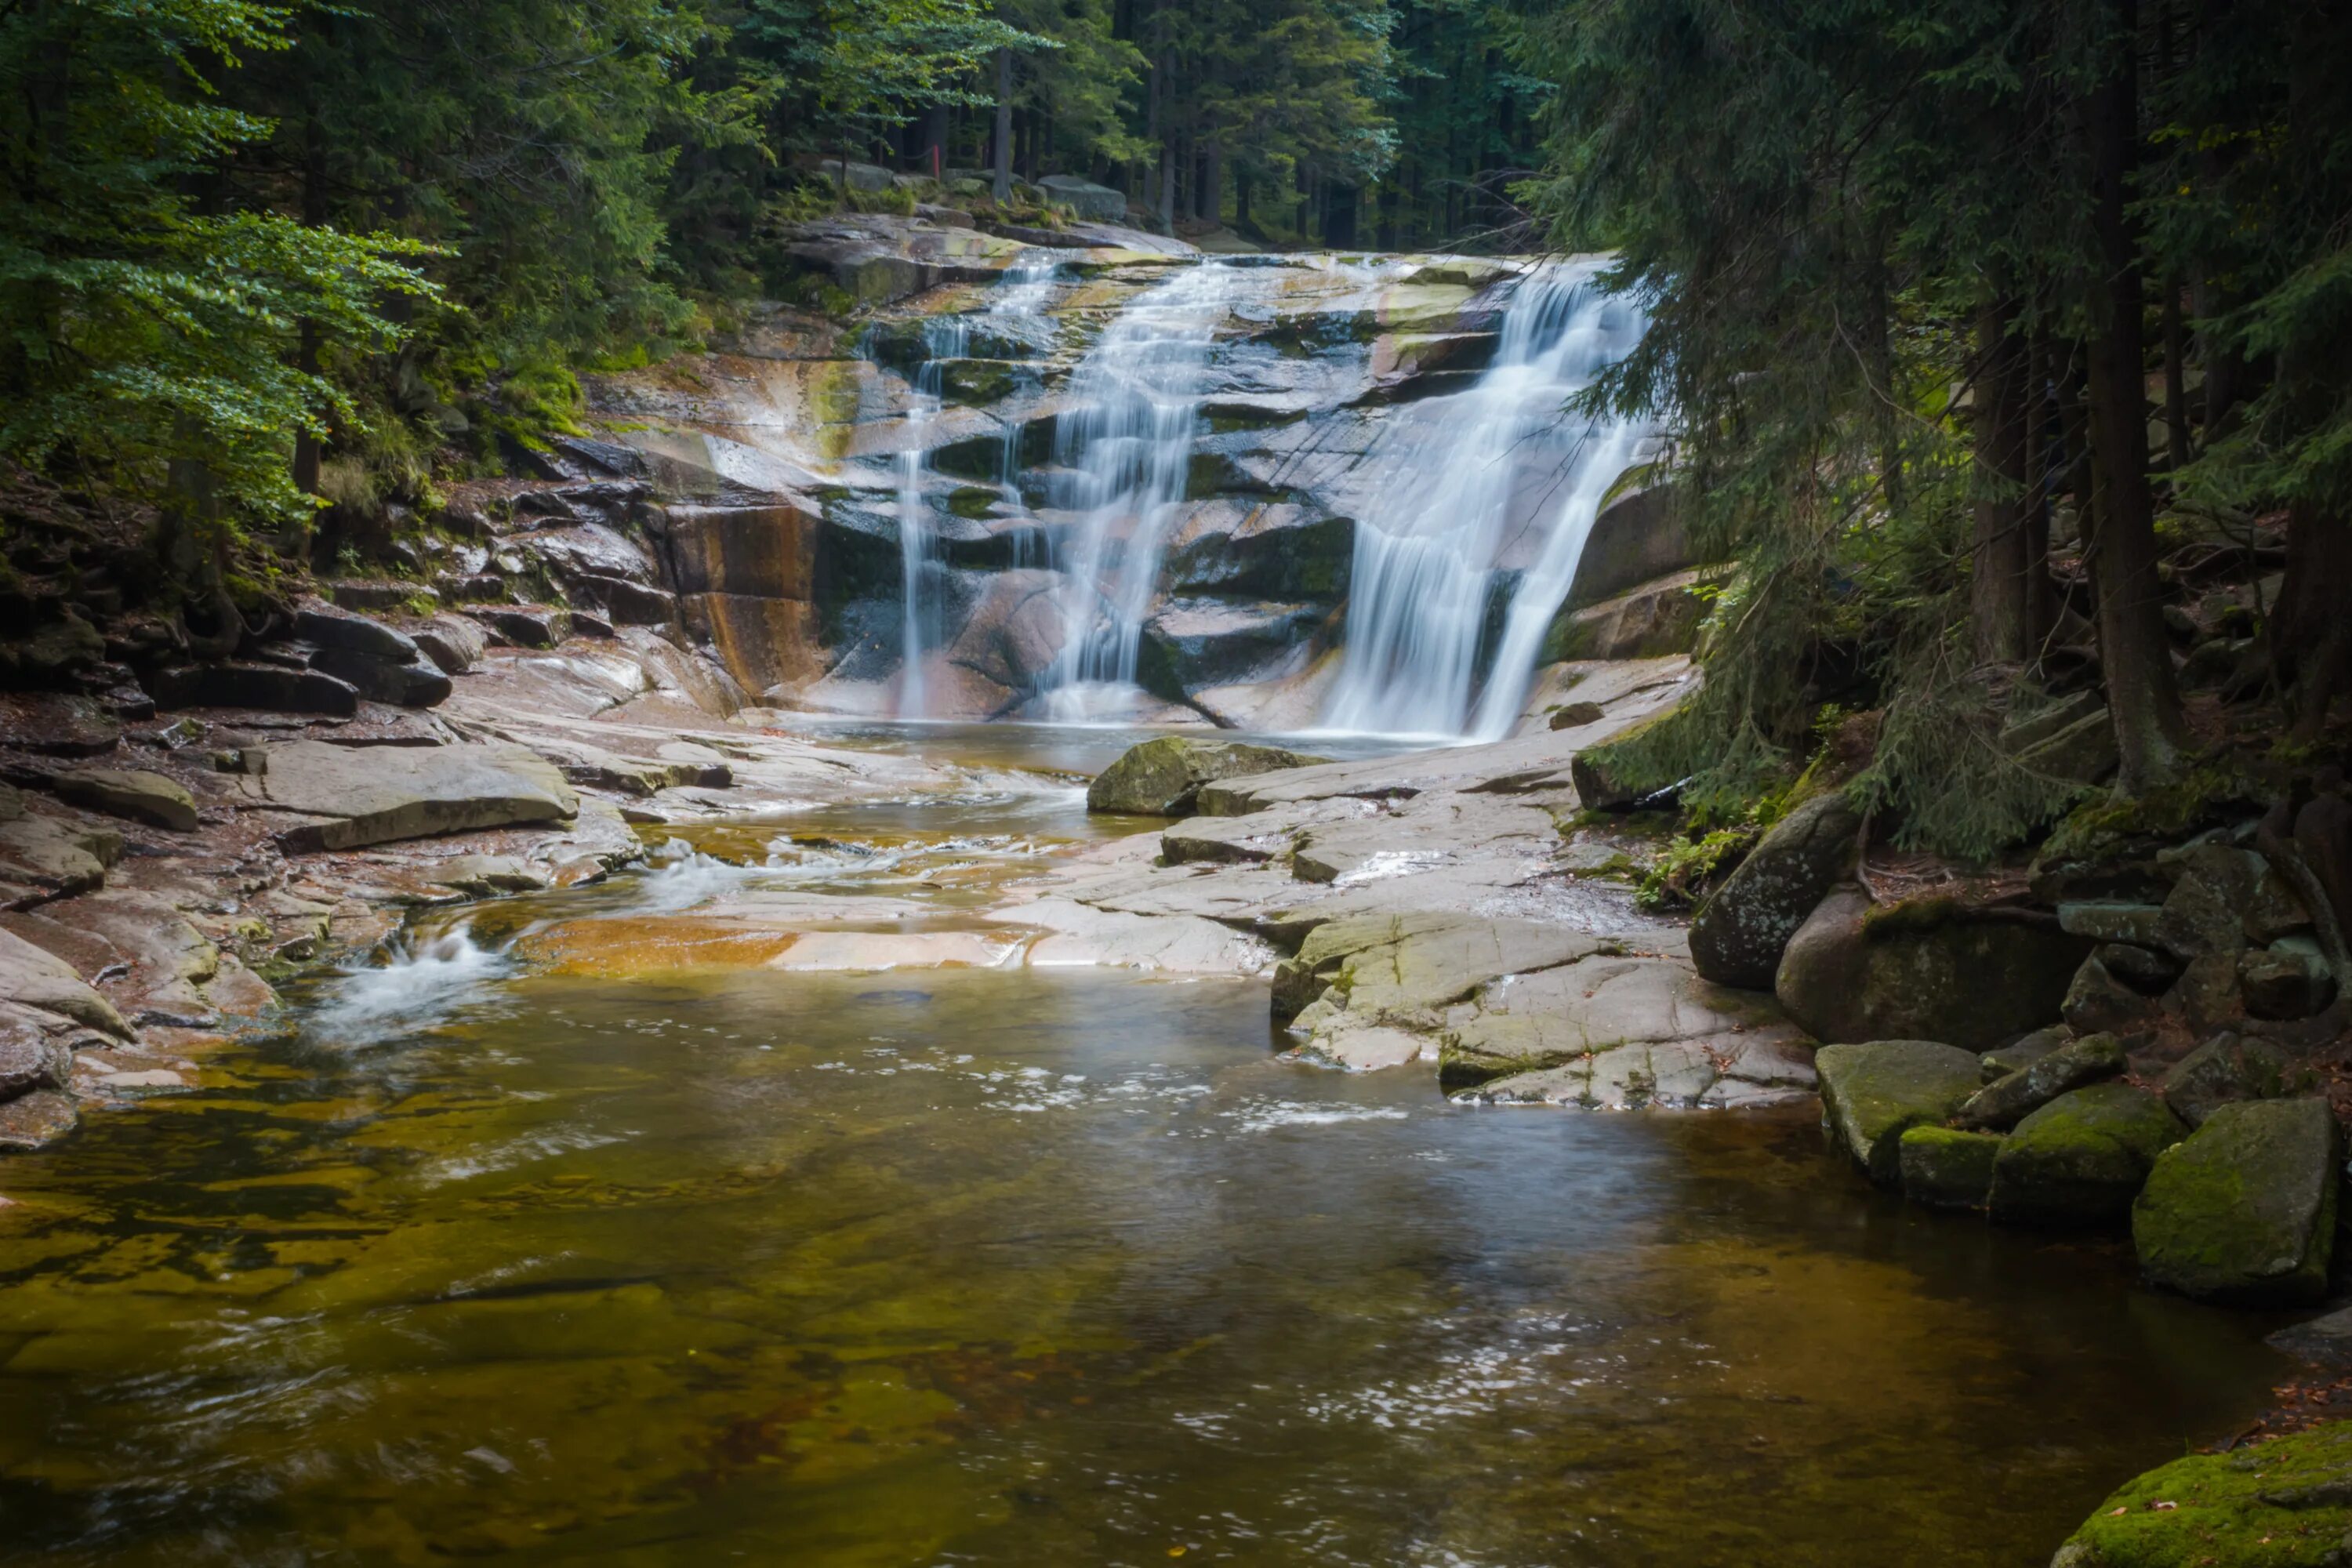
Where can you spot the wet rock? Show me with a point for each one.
(36, 1120)
(2001, 1106)
(1638, 537)
(31, 977)
(2244, 1210)
(1208, 643)
(2084, 752)
(2325, 1340)
(540, 626)
(631, 603)
(1874, 1092)
(2288, 979)
(377, 795)
(34, 1053)
(1231, 840)
(2082, 1159)
(1161, 777)
(453, 643)
(251, 685)
(2205, 914)
(2219, 1508)
(1652, 620)
(1943, 1168)
(52, 724)
(1732, 1073)
(2229, 1068)
(126, 791)
(1603, 778)
(328, 627)
(49, 859)
(1415, 963)
(1739, 935)
(483, 875)
(1575, 715)
(2004, 1060)
(419, 683)
(1923, 971)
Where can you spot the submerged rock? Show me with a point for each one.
(2244, 1210)
(2082, 1159)
(1163, 777)
(1873, 1093)
(1944, 1168)
(1739, 935)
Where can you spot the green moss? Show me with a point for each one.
(2285, 1504)
(2106, 825)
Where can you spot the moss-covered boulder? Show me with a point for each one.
(2003, 1104)
(2082, 1159)
(1738, 935)
(2243, 1211)
(2282, 1504)
(1875, 1092)
(1163, 777)
(2229, 1068)
(1944, 1168)
(1926, 969)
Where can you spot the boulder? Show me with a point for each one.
(525, 626)
(2108, 922)
(2289, 979)
(33, 1052)
(1739, 935)
(1097, 204)
(2281, 1504)
(1575, 715)
(34, 978)
(1944, 1168)
(2084, 752)
(2244, 1210)
(2146, 970)
(2227, 1070)
(329, 627)
(2082, 1159)
(1873, 1093)
(376, 795)
(1637, 538)
(1648, 621)
(1163, 777)
(2003, 1060)
(2098, 1001)
(1923, 971)
(55, 858)
(129, 792)
(269, 688)
(417, 683)
(454, 642)
(2001, 1105)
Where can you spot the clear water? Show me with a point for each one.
(515, 1262)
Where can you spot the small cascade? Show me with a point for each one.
(1025, 290)
(1485, 496)
(1123, 454)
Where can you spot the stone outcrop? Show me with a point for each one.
(1738, 935)
(2243, 1209)
(1927, 970)
(354, 797)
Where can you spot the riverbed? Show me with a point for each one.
(484, 1257)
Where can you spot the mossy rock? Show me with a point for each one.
(2283, 1504)
(2243, 1211)
(1873, 1093)
(2082, 1158)
(2228, 1068)
(976, 382)
(2007, 1100)
(1740, 933)
(1163, 777)
(1947, 1168)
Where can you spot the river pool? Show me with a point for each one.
(487, 1262)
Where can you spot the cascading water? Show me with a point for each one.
(1024, 292)
(1458, 484)
(1123, 453)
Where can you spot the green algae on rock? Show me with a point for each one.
(1944, 1168)
(1872, 1094)
(2244, 1210)
(1161, 777)
(2082, 1158)
(2284, 1504)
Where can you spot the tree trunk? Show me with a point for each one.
(307, 453)
(1212, 206)
(2001, 575)
(2040, 593)
(2310, 631)
(1002, 160)
(2175, 380)
(2134, 650)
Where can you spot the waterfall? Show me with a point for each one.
(1123, 454)
(1461, 485)
(1025, 290)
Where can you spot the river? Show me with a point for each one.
(498, 1257)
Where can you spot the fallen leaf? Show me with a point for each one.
(2160, 1507)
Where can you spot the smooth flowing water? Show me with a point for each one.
(1490, 493)
(502, 1258)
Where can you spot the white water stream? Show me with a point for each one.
(1499, 472)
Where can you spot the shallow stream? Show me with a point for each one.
(1010, 1267)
